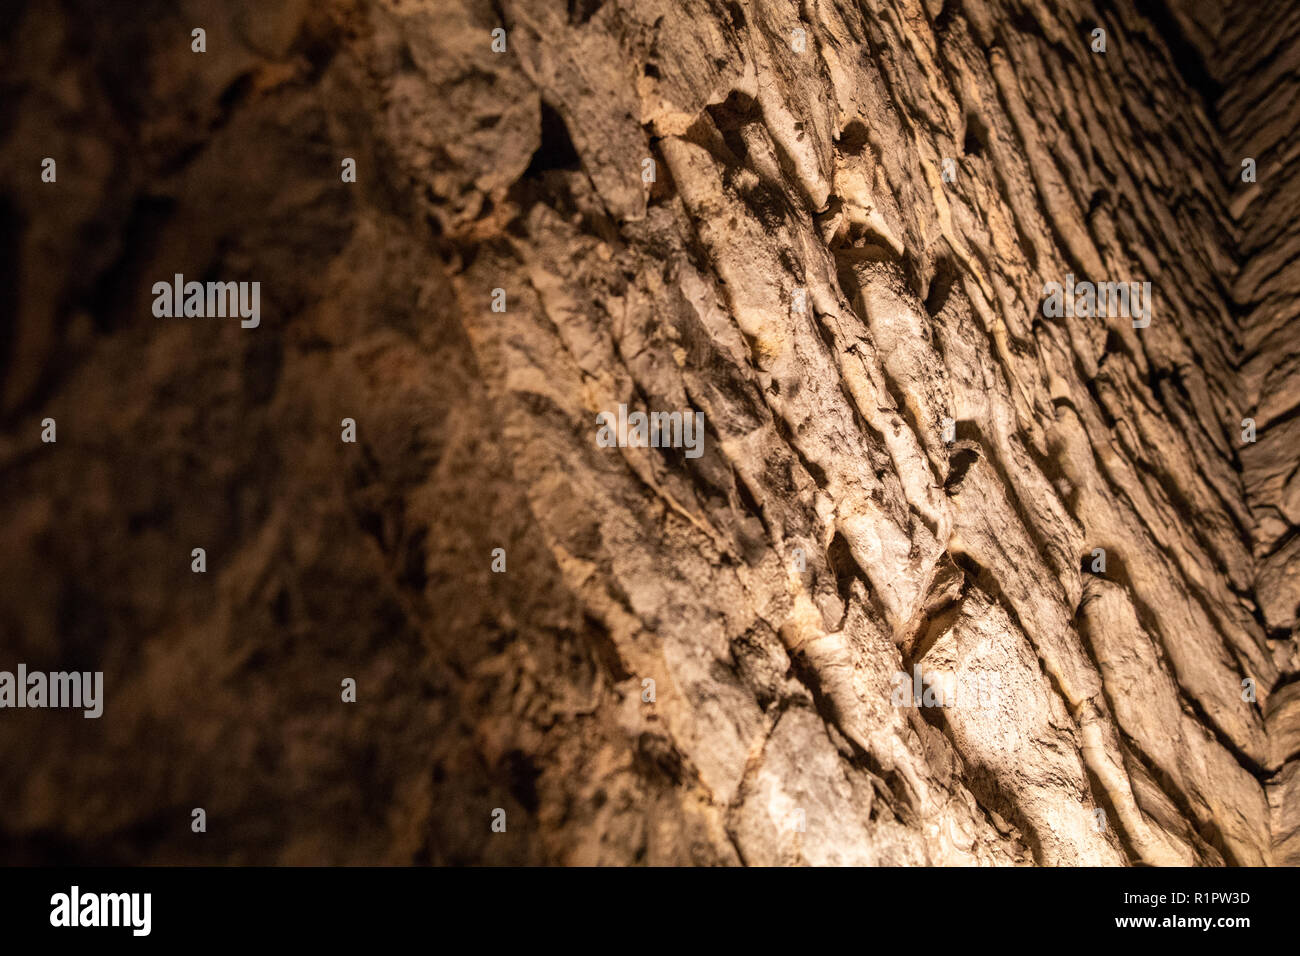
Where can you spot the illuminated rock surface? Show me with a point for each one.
(807, 271)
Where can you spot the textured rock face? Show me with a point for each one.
(1257, 116)
(828, 228)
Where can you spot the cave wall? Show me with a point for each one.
(1256, 110)
(806, 271)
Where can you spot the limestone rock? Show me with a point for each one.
(830, 228)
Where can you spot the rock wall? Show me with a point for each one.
(1257, 116)
(829, 228)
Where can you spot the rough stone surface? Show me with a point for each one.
(829, 538)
